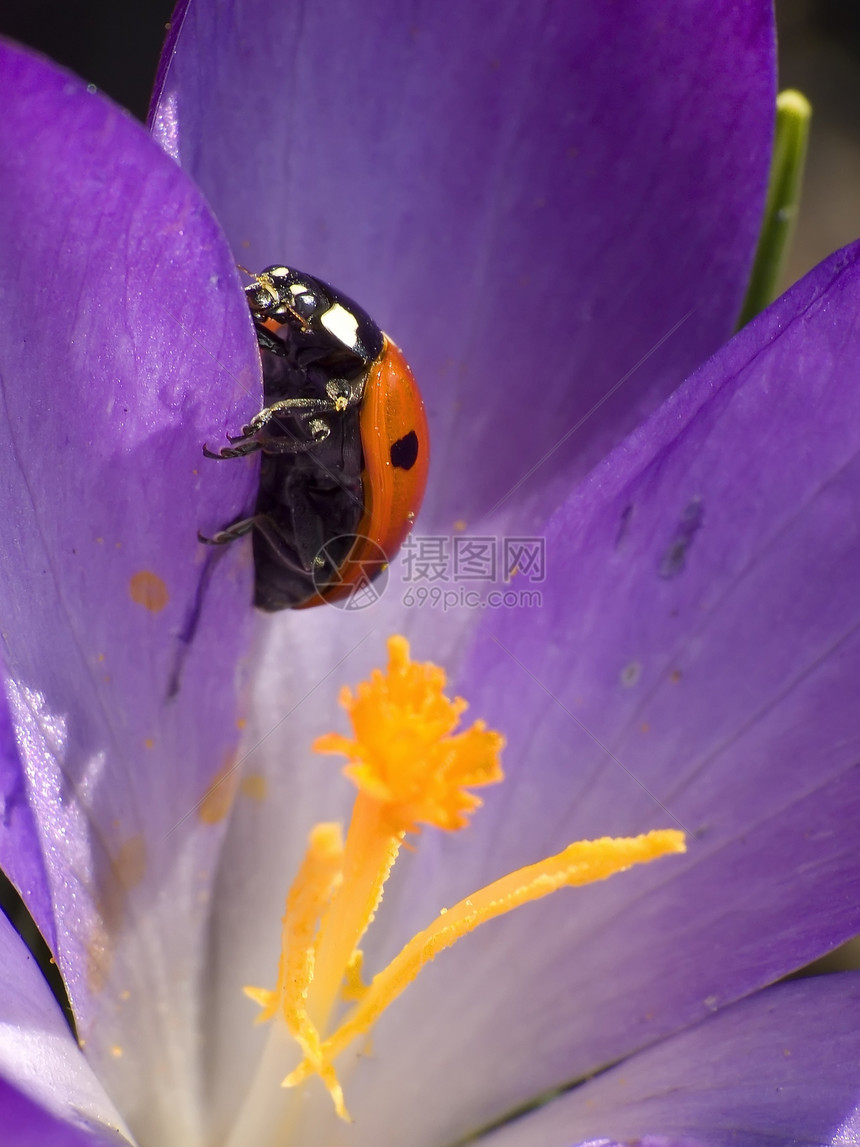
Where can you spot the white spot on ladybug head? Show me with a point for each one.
(342, 324)
(302, 295)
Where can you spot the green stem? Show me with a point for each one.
(793, 113)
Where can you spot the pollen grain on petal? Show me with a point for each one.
(254, 786)
(99, 958)
(123, 870)
(218, 798)
(149, 590)
(130, 861)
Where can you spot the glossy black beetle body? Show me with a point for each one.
(343, 437)
(316, 347)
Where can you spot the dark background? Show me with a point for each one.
(820, 55)
(113, 44)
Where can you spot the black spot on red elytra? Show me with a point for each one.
(404, 452)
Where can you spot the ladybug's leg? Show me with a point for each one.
(247, 446)
(318, 429)
(285, 444)
(266, 527)
(340, 397)
(267, 445)
(224, 537)
(299, 409)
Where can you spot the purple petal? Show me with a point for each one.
(125, 345)
(656, 230)
(645, 1141)
(532, 203)
(712, 683)
(435, 178)
(48, 1092)
(21, 857)
(782, 1067)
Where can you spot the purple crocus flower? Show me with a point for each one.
(553, 211)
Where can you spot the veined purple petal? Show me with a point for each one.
(704, 676)
(540, 202)
(782, 1067)
(48, 1092)
(125, 345)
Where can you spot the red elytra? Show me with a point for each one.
(396, 445)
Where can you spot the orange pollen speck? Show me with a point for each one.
(218, 798)
(149, 590)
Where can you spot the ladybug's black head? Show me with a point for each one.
(315, 312)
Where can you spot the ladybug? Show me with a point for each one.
(343, 442)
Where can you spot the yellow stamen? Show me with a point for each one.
(584, 862)
(404, 755)
(368, 858)
(354, 988)
(312, 890)
(411, 767)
